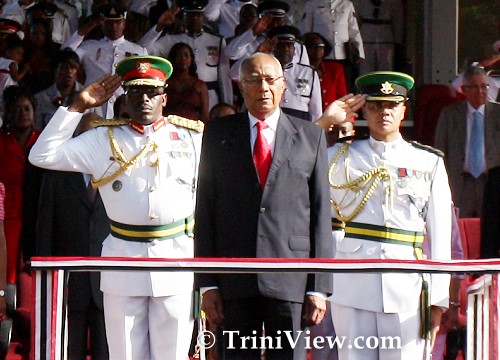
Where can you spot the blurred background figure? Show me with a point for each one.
(187, 95)
(17, 134)
(41, 56)
(10, 72)
(220, 110)
(226, 14)
(65, 83)
(335, 20)
(331, 73)
(382, 29)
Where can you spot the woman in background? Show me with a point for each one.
(187, 95)
(17, 134)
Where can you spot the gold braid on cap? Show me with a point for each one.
(369, 179)
(120, 157)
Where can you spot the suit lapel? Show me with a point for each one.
(239, 138)
(80, 187)
(283, 144)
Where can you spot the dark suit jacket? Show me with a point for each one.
(290, 219)
(69, 224)
(451, 138)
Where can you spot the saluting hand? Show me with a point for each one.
(167, 18)
(340, 111)
(96, 93)
(262, 24)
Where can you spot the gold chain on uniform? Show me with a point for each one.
(119, 156)
(374, 175)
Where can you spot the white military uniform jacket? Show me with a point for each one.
(335, 20)
(143, 195)
(212, 65)
(416, 198)
(99, 57)
(246, 44)
(302, 92)
(225, 13)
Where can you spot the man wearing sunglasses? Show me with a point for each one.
(145, 170)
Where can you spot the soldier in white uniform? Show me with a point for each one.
(336, 21)
(385, 194)
(99, 57)
(302, 96)
(381, 25)
(146, 173)
(226, 13)
(212, 65)
(272, 14)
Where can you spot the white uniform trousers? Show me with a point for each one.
(378, 57)
(372, 336)
(148, 328)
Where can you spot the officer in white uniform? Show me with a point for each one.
(146, 173)
(272, 13)
(385, 194)
(302, 96)
(335, 20)
(226, 13)
(212, 65)
(381, 26)
(99, 57)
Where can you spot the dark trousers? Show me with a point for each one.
(260, 324)
(83, 323)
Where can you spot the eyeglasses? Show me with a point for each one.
(150, 92)
(254, 82)
(477, 87)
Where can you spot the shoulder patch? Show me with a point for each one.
(196, 125)
(109, 122)
(427, 148)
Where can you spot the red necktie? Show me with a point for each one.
(262, 154)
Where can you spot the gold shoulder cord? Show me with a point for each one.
(119, 156)
(374, 175)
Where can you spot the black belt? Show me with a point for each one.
(297, 113)
(378, 233)
(212, 85)
(148, 233)
(376, 21)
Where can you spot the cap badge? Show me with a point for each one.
(113, 11)
(387, 88)
(143, 67)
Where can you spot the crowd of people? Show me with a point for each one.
(215, 128)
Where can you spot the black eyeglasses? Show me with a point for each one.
(149, 91)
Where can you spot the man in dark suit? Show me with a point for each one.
(454, 136)
(72, 221)
(490, 220)
(275, 205)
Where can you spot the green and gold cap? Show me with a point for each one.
(144, 70)
(385, 85)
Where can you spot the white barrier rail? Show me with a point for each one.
(49, 321)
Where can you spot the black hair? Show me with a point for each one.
(309, 36)
(67, 56)
(11, 95)
(173, 53)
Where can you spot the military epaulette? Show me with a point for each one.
(109, 122)
(351, 138)
(195, 125)
(427, 148)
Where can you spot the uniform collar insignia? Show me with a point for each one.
(141, 128)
